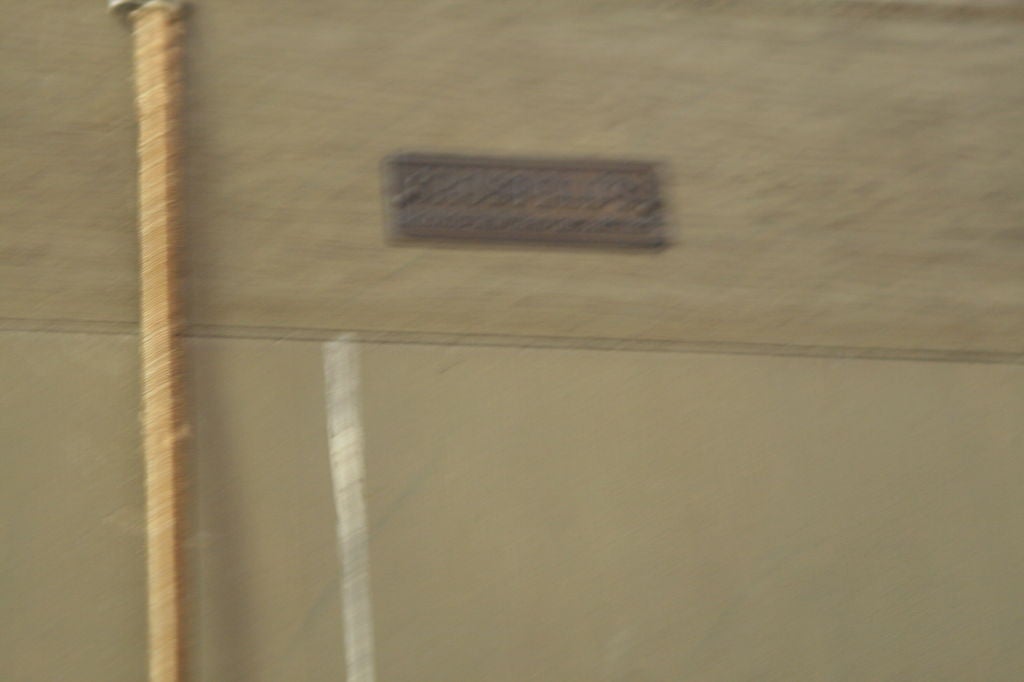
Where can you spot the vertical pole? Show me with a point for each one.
(157, 33)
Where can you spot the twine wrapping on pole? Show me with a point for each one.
(157, 34)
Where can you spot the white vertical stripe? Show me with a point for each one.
(341, 378)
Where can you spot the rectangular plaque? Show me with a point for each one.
(465, 198)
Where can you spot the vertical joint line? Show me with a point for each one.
(345, 441)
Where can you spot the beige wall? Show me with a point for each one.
(264, 581)
(560, 487)
(549, 514)
(838, 173)
(591, 515)
(72, 577)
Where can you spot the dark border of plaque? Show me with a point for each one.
(523, 200)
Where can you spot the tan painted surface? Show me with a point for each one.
(267, 560)
(840, 173)
(264, 566)
(72, 572)
(560, 515)
(534, 514)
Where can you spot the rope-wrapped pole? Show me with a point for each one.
(157, 34)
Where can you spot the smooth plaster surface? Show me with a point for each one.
(533, 514)
(263, 583)
(586, 515)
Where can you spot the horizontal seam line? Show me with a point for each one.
(114, 328)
